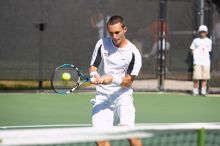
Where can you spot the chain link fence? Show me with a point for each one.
(38, 35)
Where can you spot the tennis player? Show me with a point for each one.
(114, 65)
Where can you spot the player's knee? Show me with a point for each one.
(135, 142)
(103, 143)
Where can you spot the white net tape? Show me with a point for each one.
(63, 135)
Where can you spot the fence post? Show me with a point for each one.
(161, 45)
(202, 14)
(201, 137)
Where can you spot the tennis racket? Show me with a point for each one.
(67, 78)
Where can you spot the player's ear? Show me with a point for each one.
(125, 29)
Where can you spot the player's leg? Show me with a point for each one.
(195, 87)
(103, 143)
(135, 142)
(204, 85)
(102, 113)
(102, 116)
(126, 112)
(197, 75)
(205, 77)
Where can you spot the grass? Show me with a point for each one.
(17, 109)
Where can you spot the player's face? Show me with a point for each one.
(117, 33)
(203, 34)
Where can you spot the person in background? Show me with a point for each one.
(156, 28)
(98, 21)
(201, 48)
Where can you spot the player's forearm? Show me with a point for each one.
(127, 81)
(94, 76)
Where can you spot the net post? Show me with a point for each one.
(201, 137)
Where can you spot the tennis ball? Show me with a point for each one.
(66, 76)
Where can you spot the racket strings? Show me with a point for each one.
(62, 85)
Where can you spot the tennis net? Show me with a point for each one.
(196, 134)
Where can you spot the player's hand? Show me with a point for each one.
(94, 78)
(106, 79)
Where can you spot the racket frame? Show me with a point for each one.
(81, 78)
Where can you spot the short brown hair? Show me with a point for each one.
(116, 19)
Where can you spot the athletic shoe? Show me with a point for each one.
(203, 91)
(195, 91)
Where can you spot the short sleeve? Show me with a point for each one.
(96, 57)
(135, 64)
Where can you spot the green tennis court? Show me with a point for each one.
(22, 109)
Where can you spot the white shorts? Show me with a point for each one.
(113, 110)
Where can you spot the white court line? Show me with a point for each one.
(46, 126)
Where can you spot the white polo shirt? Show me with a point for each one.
(115, 61)
(201, 48)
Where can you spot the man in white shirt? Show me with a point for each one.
(114, 65)
(201, 48)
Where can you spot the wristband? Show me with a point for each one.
(92, 79)
(117, 80)
(93, 73)
(92, 76)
